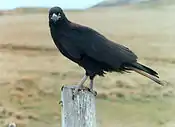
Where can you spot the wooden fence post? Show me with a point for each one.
(79, 112)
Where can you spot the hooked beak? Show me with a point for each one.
(55, 17)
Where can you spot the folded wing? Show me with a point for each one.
(98, 47)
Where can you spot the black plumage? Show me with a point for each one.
(91, 50)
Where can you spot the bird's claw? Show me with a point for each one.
(76, 92)
(84, 88)
(92, 91)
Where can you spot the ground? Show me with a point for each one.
(33, 71)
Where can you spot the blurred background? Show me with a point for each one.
(32, 70)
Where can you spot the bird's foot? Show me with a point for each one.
(92, 91)
(77, 89)
(83, 88)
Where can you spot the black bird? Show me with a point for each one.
(92, 51)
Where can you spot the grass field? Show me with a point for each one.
(32, 71)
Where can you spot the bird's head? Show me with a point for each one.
(56, 15)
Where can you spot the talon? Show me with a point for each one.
(76, 92)
(93, 92)
(88, 89)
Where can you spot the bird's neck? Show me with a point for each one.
(59, 29)
(60, 26)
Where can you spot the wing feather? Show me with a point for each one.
(100, 48)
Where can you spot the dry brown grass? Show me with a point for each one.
(32, 71)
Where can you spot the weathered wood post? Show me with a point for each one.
(79, 112)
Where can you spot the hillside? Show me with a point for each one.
(112, 3)
(31, 10)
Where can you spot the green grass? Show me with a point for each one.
(134, 113)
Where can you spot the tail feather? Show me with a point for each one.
(146, 69)
(148, 76)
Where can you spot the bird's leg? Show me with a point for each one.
(91, 84)
(79, 85)
(91, 87)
